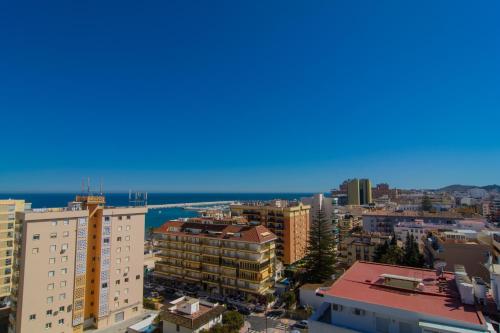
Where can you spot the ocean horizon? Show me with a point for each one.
(154, 217)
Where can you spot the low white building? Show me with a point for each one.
(190, 315)
(373, 297)
(310, 295)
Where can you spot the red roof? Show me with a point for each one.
(362, 282)
(252, 234)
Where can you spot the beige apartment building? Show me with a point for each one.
(288, 221)
(361, 246)
(79, 266)
(8, 227)
(223, 259)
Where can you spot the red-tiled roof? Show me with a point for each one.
(363, 283)
(244, 233)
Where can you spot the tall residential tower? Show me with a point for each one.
(359, 192)
(78, 266)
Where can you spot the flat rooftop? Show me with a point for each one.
(364, 282)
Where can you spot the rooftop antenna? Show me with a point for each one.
(100, 186)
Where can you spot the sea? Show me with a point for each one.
(154, 217)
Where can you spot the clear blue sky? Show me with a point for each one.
(248, 95)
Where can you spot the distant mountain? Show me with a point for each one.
(458, 187)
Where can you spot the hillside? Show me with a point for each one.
(458, 187)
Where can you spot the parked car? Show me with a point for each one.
(276, 313)
(260, 308)
(244, 311)
(303, 324)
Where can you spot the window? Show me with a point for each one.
(48, 325)
(359, 312)
(66, 222)
(54, 223)
(106, 218)
(336, 307)
(34, 250)
(126, 301)
(135, 309)
(117, 282)
(127, 227)
(127, 238)
(65, 246)
(127, 248)
(50, 300)
(126, 279)
(63, 284)
(127, 269)
(32, 316)
(104, 285)
(62, 296)
(120, 228)
(120, 218)
(52, 260)
(64, 258)
(61, 308)
(64, 271)
(127, 259)
(66, 234)
(118, 260)
(118, 249)
(106, 240)
(137, 277)
(49, 312)
(118, 271)
(117, 293)
(125, 291)
(53, 235)
(119, 316)
(118, 239)
(53, 248)
(36, 237)
(128, 217)
(51, 273)
(61, 321)
(50, 286)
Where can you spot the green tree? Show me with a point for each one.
(412, 256)
(320, 259)
(426, 204)
(270, 298)
(233, 320)
(380, 250)
(289, 299)
(393, 256)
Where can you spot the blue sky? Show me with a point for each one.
(248, 95)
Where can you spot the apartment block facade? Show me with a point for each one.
(79, 266)
(8, 227)
(288, 221)
(356, 247)
(224, 259)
